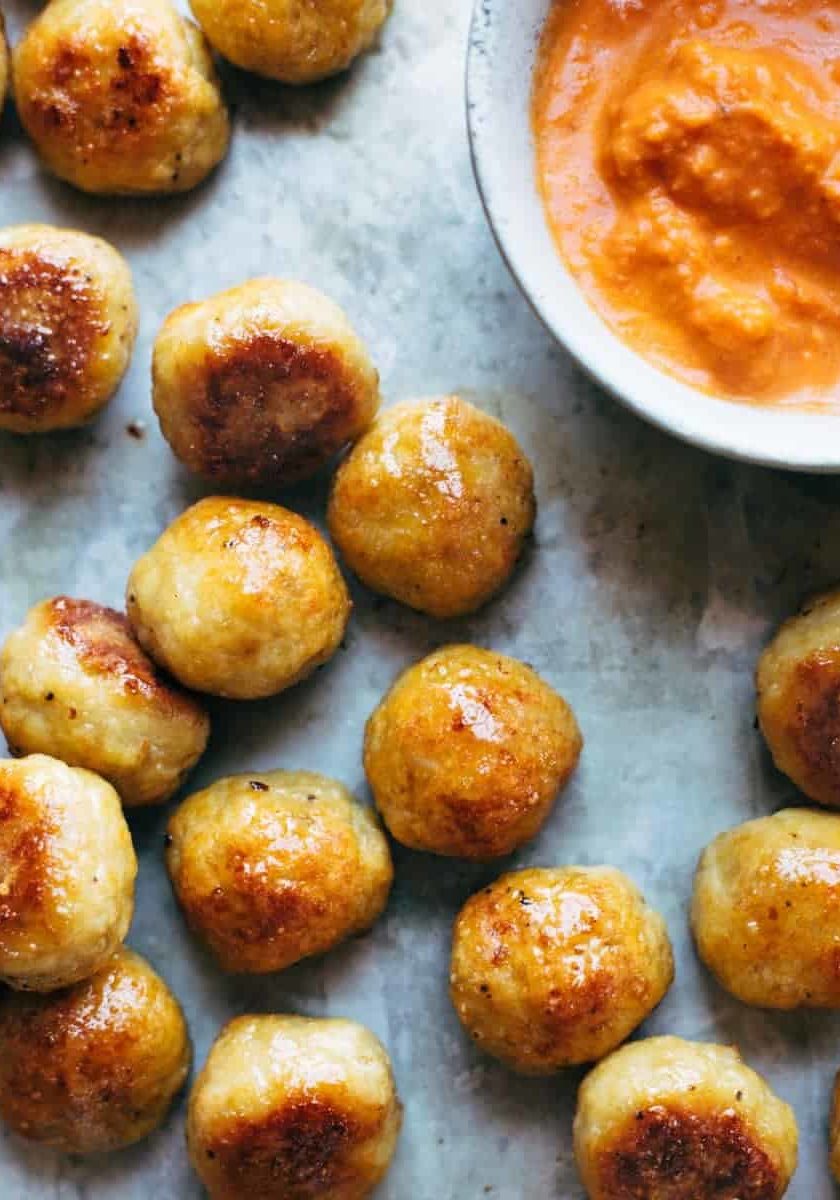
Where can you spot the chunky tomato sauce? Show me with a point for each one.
(688, 154)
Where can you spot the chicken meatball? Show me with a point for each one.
(67, 870)
(433, 505)
(289, 1108)
(74, 683)
(95, 1066)
(295, 43)
(238, 598)
(273, 868)
(120, 96)
(68, 321)
(262, 384)
(682, 1121)
(766, 910)
(551, 968)
(798, 686)
(467, 752)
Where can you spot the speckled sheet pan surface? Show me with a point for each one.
(655, 575)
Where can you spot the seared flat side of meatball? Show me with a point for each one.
(67, 870)
(467, 752)
(295, 43)
(293, 1107)
(68, 321)
(261, 384)
(432, 506)
(74, 683)
(271, 868)
(238, 598)
(766, 908)
(554, 967)
(682, 1121)
(120, 96)
(93, 1067)
(798, 698)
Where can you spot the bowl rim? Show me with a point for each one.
(780, 437)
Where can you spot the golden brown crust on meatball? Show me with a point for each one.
(553, 967)
(467, 752)
(798, 686)
(682, 1121)
(261, 908)
(765, 908)
(433, 504)
(261, 384)
(288, 1108)
(75, 683)
(120, 96)
(67, 870)
(294, 43)
(93, 1067)
(239, 598)
(68, 320)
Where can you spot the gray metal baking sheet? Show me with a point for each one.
(655, 576)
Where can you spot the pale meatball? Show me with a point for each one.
(262, 384)
(798, 685)
(555, 967)
(271, 868)
(74, 683)
(120, 96)
(467, 752)
(286, 40)
(682, 1120)
(432, 506)
(766, 910)
(67, 870)
(68, 322)
(238, 598)
(289, 1108)
(95, 1066)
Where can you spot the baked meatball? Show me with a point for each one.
(432, 506)
(554, 967)
(295, 43)
(766, 910)
(239, 598)
(262, 384)
(798, 685)
(74, 683)
(467, 752)
(273, 868)
(95, 1066)
(120, 96)
(68, 320)
(67, 870)
(289, 1108)
(682, 1121)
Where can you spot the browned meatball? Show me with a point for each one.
(798, 683)
(289, 1108)
(556, 967)
(95, 1066)
(433, 504)
(467, 752)
(75, 683)
(262, 384)
(274, 867)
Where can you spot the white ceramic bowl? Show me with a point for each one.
(503, 45)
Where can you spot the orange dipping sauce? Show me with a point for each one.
(688, 155)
